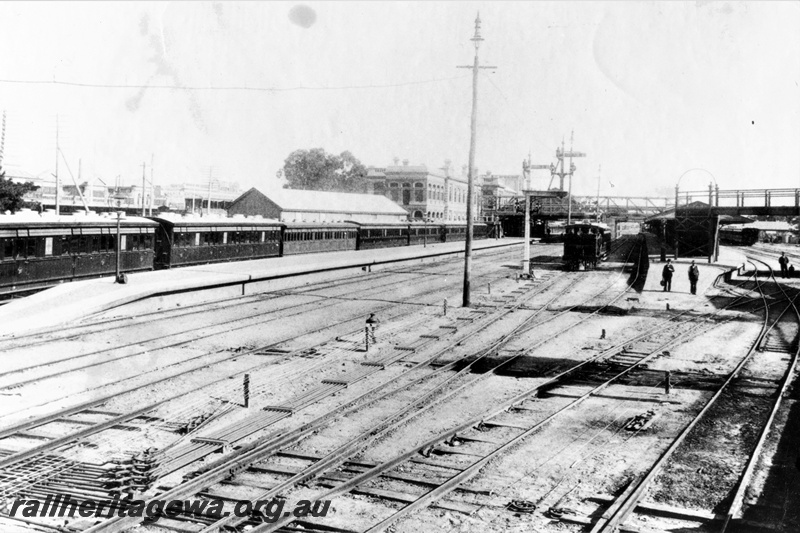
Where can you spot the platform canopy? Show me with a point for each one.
(698, 207)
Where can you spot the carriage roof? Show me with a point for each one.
(602, 228)
(217, 222)
(318, 225)
(32, 219)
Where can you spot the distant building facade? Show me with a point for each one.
(100, 196)
(295, 205)
(437, 194)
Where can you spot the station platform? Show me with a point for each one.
(77, 300)
(680, 297)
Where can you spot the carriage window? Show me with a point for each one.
(30, 247)
(197, 239)
(224, 237)
(8, 248)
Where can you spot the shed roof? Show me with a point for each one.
(767, 225)
(331, 202)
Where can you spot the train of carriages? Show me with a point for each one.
(585, 245)
(38, 251)
(738, 236)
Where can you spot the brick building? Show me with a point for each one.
(438, 194)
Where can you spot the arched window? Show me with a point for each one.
(419, 193)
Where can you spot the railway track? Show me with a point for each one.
(182, 339)
(623, 507)
(503, 363)
(20, 457)
(364, 471)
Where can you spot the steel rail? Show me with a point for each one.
(269, 444)
(330, 460)
(261, 348)
(612, 523)
(321, 419)
(30, 424)
(458, 479)
(472, 470)
(297, 308)
(378, 431)
(102, 325)
(735, 507)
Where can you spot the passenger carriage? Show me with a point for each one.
(419, 233)
(183, 241)
(480, 230)
(306, 238)
(585, 245)
(454, 232)
(38, 251)
(738, 235)
(382, 235)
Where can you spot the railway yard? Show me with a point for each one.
(573, 401)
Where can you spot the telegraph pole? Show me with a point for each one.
(208, 212)
(58, 182)
(3, 141)
(471, 179)
(152, 184)
(144, 187)
(599, 171)
(527, 166)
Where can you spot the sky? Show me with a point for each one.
(651, 90)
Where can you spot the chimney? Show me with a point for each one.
(405, 162)
(396, 161)
(447, 164)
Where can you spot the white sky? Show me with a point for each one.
(651, 89)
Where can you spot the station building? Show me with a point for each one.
(439, 195)
(296, 205)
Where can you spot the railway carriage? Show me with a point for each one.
(301, 238)
(183, 241)
(480, 230)
(585, 245)
(738, 236)
(382, 235)
(38, 251)
(424, 233)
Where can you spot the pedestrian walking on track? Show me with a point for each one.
(372, 327)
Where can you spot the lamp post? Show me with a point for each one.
(119, 277)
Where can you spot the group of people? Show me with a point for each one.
(669, 270)
(787, 270)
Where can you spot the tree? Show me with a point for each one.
(11, 193)
(318, 170)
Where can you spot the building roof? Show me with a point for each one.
(766, 225)
(331, 202)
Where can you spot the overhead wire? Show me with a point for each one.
(226, 88)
